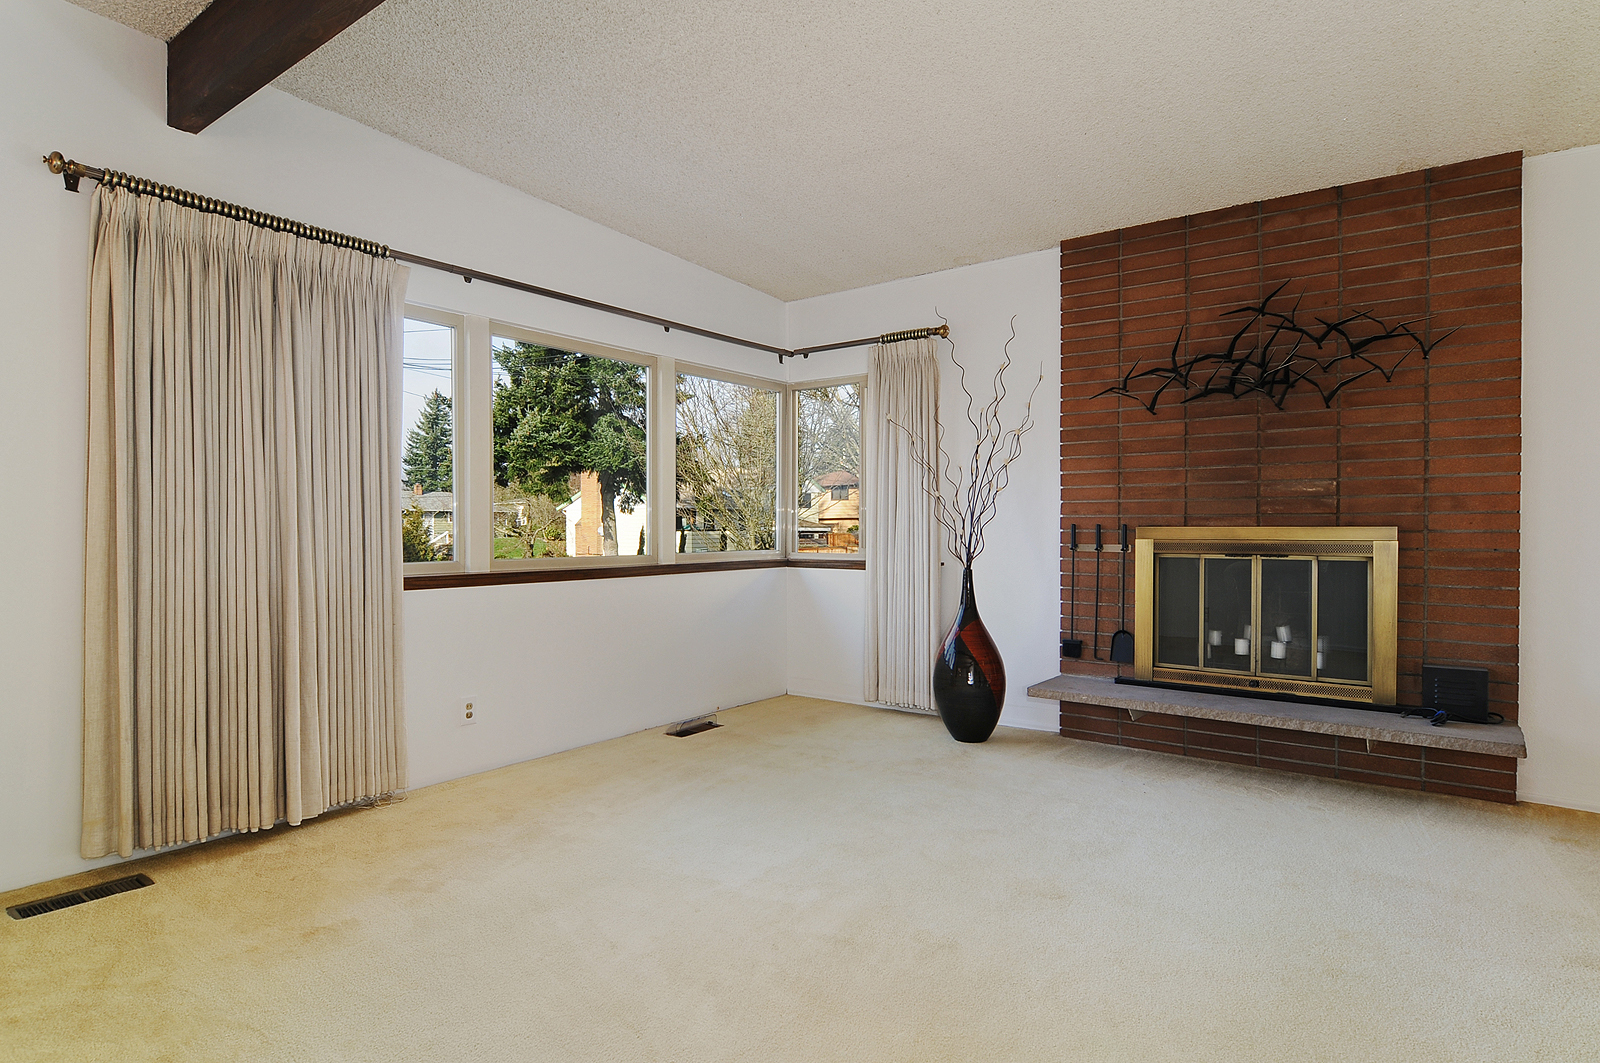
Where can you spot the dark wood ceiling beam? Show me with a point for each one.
(234, 47)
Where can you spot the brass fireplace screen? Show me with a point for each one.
(1308, 612)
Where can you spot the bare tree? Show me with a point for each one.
(829, 419)
(728, 459)
(531, 518)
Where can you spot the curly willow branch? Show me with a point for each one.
(967, 497)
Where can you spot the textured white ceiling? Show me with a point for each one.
(809, 148)
(161, 19)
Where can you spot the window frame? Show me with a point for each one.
(652, 365)
(780, 519)
(792, 544)
(458, 370)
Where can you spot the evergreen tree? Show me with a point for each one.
(558, 414)
(414, 537)
(427, 458)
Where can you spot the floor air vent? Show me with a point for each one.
(83, 896)
(685, 728)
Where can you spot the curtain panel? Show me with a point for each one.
(243, 561)
(902, 536)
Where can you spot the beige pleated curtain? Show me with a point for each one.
(243, 567)
(902, 537)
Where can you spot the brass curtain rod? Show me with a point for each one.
(72, 172)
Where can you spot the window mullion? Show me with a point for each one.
(476, 509)
(788, 473)
(664, 458)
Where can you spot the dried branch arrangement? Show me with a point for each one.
(1284, 355)
(974, 487)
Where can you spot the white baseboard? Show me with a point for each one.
(1524, 797)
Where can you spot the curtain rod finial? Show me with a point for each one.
(70, 171)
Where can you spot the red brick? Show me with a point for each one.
(1246, 759)
(1508, 797)
(1449, 773)
(1089, 712)
(1488, 202)
(1461, 758)
(1510, 160)
(1091, 242)
(1396, 218)
(1364, 762)
(1089, 736)
(1295, 753)
(1193, 740)
(1396, 781)
(1410, 179)
(1325, 771)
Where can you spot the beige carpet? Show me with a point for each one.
(821, 882)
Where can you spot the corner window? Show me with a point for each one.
(428, 437)
(828, 447)
(571, 452)
(523, 450)
(727, 451)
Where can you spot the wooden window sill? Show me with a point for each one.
(443, 580)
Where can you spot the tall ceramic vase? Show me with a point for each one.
(969, 679)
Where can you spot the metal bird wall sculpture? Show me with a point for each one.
(1272, 353)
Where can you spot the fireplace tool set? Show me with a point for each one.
(1122, 640)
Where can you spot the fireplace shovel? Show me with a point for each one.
(1122, 641)
(1072, 645)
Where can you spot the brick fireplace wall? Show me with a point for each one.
(1435, 452)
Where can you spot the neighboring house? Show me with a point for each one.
(830, 512)
(438, 514)
(583, 522)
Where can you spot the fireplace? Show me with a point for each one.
(1291, 612)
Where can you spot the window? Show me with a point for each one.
(727, 451)
(571, 452)
(828, 434)
(525, 451)
(428, 438)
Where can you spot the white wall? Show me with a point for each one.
(543, 681)
(1559, 703)
(1017, 580)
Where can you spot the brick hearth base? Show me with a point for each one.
(1441, 771)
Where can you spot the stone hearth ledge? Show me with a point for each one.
(1498, 740)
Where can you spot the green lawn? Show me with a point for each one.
(513, 548)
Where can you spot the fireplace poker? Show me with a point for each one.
(1072, 645)
(1099, 545)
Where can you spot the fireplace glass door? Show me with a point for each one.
(1227, 595)
(1286, 584)
(1292, 617)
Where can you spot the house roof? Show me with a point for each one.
(838, 479)
(431, 502)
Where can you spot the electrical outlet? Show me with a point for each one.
(467, 711)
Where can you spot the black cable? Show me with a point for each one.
(1440, 717)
